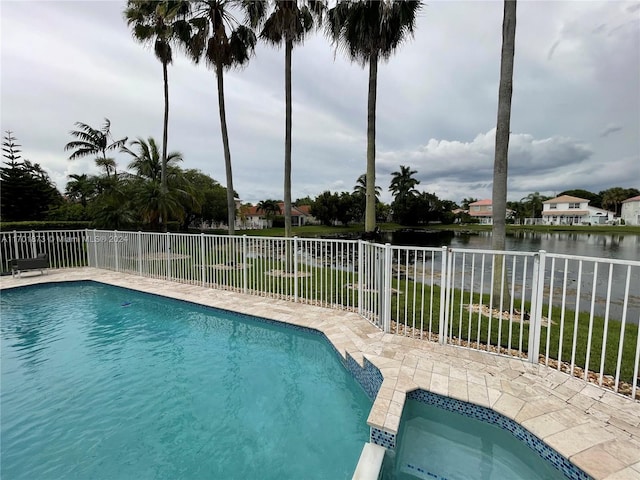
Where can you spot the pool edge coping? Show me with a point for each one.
(572, 417)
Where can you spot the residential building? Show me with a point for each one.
(482, 210)
(568, 210)
(631, 211)
(251, 217)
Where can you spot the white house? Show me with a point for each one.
(568, 210)
(483, 211)
(631, 211)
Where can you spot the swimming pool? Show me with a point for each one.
(457, 442)
(104, 382)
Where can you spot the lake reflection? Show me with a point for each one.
(626, 247)
(614, 246)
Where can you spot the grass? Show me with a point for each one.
(223, 269)
(416, 301)
(326, 285)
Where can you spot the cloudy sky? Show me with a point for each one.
(575, 120)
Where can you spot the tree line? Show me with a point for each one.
(411, 207)
(134, 197)
(129, 199)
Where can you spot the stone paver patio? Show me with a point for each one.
(598, 430)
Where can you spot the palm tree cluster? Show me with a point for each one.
(224, 33)
(151, 192)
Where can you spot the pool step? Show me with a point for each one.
(370, 463)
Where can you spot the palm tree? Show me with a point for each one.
(532, 204)
(289, 23)
(146, 161)
(155, 203)
(80, 188)
(370, 31)
(360, 188)
(501, 162)
(224, 42)
(403, 188)
(160, 23)
(500, 165)
(613, 197)
(403, 184)
(270, 208)
(95, 142)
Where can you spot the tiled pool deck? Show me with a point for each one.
(599, 431)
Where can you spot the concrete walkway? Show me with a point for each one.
(598, 430)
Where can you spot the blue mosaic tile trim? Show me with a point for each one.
(487, 415)
(382, 438)
(368, 376)
(423, 471)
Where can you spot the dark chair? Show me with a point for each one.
(19, 265)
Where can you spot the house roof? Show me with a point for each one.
(301, 211)
(481, 214)
(295, 211)
(632, 199)
(566, 199)
(486, 201)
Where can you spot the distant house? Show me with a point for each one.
(299, 215)
(631, 211)
(251, 217)
(568, 210)
(482, 210)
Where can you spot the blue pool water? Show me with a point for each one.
(437, 444)
(105, 383)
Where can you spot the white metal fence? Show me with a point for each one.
(577, 314)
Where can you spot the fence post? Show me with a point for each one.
(34, 250)
(444, 311)
(535, 317)
(168, 252)
(139, 253)
(202, 258)
(95, 246)
(86, 242)
(386, 290)
(361, 274)
(16, 252)
(115, 249)
(295, 268)
(245, 265)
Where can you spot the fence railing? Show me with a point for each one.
(577, 314)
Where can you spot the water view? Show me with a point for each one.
(619, 246)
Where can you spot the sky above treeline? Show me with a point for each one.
(575, 116)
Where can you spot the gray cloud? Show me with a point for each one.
(64, 62)
(609, 129)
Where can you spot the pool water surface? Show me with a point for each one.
(437, 444)
(102, 382)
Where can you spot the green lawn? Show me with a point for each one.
(327, 285)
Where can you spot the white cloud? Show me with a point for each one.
(575, 109)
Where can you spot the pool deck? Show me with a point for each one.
(597, 430)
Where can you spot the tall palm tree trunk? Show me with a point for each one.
(231, 204)
(163, 168)
(500, 165)
(370, 205)
(287, 142)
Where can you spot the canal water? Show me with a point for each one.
(624, 247)
(614, 246)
